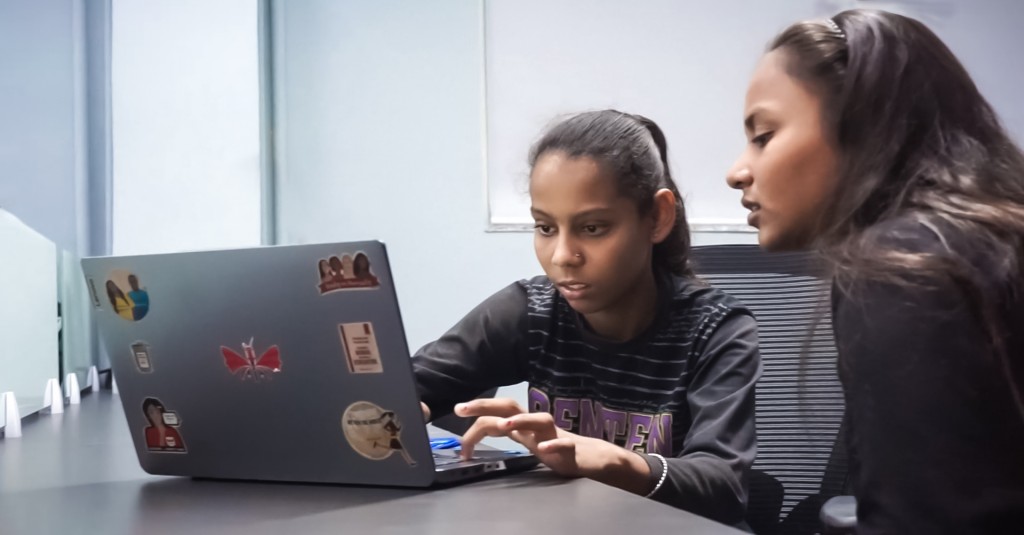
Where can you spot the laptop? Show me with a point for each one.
(284, 363)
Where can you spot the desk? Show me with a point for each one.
(78, 473)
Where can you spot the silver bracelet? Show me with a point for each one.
(664, 474)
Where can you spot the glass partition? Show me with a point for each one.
(77, 352)
(29, 327)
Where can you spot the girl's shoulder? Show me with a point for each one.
(694, 301)
(538, 290)
(696, 292)
(539, 283)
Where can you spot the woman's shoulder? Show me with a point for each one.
(914, 233)
(930, 270)
(936, 252)
(924, 234)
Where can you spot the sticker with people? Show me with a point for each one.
(346, 272)
(162, 434)
(128, 298)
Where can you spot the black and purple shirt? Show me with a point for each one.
(684, 388)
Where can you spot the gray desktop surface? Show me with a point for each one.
(78, 473)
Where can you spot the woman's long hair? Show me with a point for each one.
(917, 140)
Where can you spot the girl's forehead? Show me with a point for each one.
(558, 177)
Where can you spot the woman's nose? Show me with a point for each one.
(739, 176)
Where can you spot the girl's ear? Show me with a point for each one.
(664, 215)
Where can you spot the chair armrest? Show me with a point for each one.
(839, 515)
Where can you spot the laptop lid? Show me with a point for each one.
(284, 363)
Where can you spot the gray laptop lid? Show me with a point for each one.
(279, 363)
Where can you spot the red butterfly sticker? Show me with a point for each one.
(252, 367)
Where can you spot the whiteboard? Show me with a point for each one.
(685, 64)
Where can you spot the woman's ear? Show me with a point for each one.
(664, 214)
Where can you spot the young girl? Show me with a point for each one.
(869, 141)
(640, 376)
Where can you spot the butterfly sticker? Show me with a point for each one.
(252, 367)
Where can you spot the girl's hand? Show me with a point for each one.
(563, 452)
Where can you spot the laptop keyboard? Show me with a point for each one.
(446, 457)
(442, 461)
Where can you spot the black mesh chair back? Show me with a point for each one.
(799, 401)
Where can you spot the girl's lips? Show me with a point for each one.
(573, 289)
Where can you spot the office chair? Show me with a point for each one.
(800, 460)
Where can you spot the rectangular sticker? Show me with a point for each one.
(140, 350)
(360, 346)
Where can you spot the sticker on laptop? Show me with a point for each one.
(162, 433)
(140, 356)
(346, 272)
(128, 297)
(248, 366)
(373, 432)
(360, 347)
(92, 293)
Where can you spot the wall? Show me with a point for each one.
(54, 175)
(380, 136)
(40, 176)
(673, 61)
(379, 129)
(185, 117)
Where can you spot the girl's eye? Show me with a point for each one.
(544, 230)
(762, 139)
(594, 230)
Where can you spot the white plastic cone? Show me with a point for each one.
(52, 399)
(12, 418)
(71, 389)
(93, 379)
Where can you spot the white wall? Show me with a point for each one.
(53, 178)
(673, 61)
(186, 125)
(686, 65)
(380, 136)
(379, 131)
(39, 178)
(379, 117)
